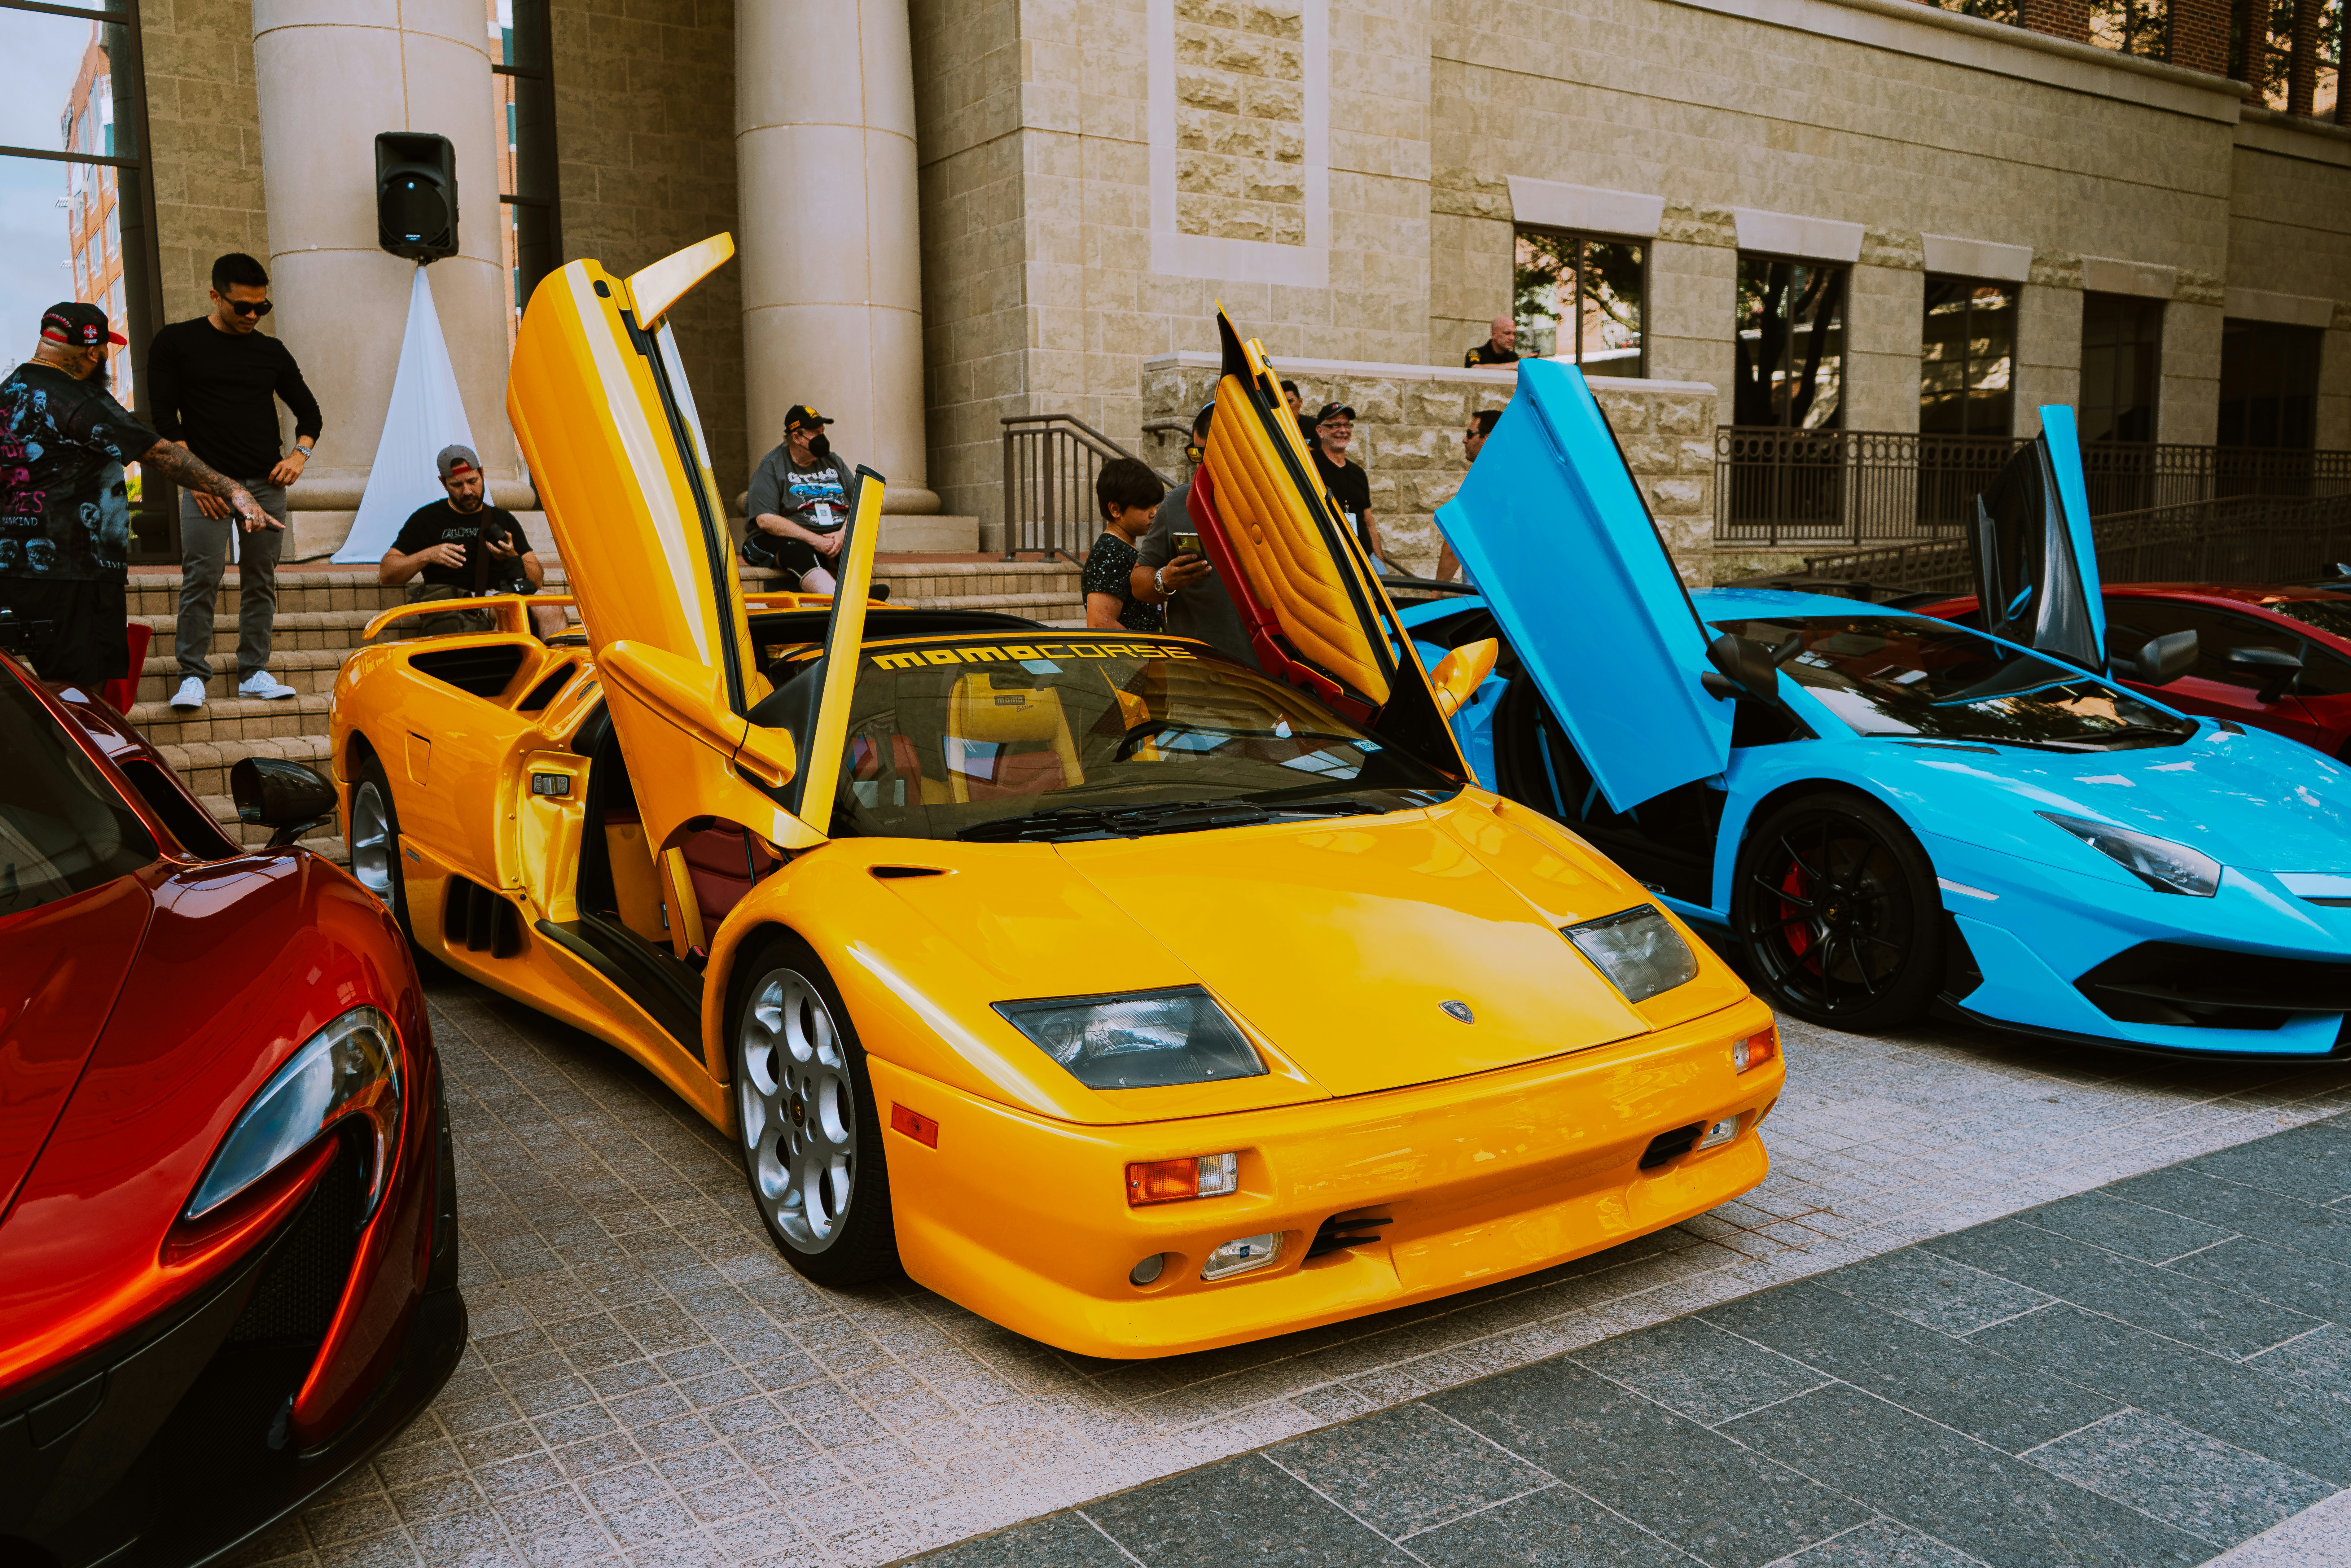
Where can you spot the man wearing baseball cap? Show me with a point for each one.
(65, 509)
(1334, 431)
(462, 548)
(798, 503)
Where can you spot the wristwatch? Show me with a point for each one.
(1159, 582)
(303, 450)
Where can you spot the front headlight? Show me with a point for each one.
(2161, 864)
(350, 1067)
(1639, 951)
(1137, 1039)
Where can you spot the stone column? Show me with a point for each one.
(829, 236)
(330, 75)
(2048, 338)
(1885, 318)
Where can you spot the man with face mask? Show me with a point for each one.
(65, 509)
(798, 503)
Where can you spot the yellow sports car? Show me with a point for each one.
(1136, 1000)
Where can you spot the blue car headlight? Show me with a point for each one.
(1638, 950)
(1137, 1039)
(2161, 864)
(350, 1067)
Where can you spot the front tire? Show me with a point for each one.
(806, 1125)
(374, 842)
(1836, 912)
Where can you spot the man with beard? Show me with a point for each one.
(464, 548)
(798, 503)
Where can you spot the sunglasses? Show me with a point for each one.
(249, 307)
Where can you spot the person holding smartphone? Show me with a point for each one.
(1182, 580)
(1129, 493)
(798, 503)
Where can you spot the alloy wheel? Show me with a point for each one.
(1829, 914)
(371, 848)
(797, 1110)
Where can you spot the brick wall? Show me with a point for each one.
(1409, 425)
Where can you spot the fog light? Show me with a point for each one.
(1721, 1132)
(1755, 1050)
(1164, 1181)
(1242, 1254)
(1143, 1273)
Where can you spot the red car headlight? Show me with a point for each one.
(350, 1067)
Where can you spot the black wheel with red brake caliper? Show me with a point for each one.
(1836, 910)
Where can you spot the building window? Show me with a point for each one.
(75, 204)
(2141, 27)
(1789, 368)
(1967, 358)
(2122, 350)
(1581, 298)
(2269, 384)
(524, 79)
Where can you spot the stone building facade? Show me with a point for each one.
(950, 211)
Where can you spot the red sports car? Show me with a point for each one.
(2274, 656)
(229, 1244)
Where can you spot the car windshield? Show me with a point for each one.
(1909, 675)
(1000, 739)
(2329, 615)
(62, 830)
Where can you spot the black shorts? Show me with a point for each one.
(778, 553)
(85, 641)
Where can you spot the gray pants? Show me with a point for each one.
(206, 545)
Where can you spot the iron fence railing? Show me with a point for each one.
(1050, 464)
(2226, 538)
(1776, 486)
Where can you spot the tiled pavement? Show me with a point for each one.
(648, 1383)
(2148, 1374)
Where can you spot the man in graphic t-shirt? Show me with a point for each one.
(1334, 431)
(462, 548)
(798, 503)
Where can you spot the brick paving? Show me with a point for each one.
(649, 1384)
(2145, 1375)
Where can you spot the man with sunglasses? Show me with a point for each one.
(215, 384)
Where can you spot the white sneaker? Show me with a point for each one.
(190, 697)
(260, 685)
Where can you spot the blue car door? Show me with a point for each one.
(1555, 533)
(2036, 566)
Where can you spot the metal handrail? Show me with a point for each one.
(1050, 464)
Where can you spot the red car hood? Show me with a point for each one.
(67, 962)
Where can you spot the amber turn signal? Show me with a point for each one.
(916, 1125)
(1164, 1181)
(1755, 1050)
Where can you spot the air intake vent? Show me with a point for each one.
(479, 920)
(1336, 1235)
(482, 669)
(1673, 1145)
(295, 1299)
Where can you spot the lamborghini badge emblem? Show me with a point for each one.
(1459, 1011)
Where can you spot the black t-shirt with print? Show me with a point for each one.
(1109, 568)
(441, 523)
(65, 510)
(1351, 487)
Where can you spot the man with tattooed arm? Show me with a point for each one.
(64, 512)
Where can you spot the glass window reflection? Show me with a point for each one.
(1789, 360)
(1581, 298)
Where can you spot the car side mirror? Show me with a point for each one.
(2278, 668)
(272, 792)
(1459, 674)
(1741, 664)
(2164, 659)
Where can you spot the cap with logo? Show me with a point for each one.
(82, 326)
(456, 460)
(800, 416)
(1331, 410)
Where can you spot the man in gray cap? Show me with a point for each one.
(462, 548)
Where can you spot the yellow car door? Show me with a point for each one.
(1315, 612)
(600, 401)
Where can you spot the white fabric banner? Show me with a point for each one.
(426, 415)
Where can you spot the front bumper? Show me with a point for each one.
(170, 1446)
(1024, 1220)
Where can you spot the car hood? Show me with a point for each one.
(1337, 941)
(67, 962)
(2249, 801)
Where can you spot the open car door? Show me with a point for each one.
(1556, 535)
(600, 401)
(2036, 566)
(1314, 612)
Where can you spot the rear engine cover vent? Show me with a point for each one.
(1671, 1146)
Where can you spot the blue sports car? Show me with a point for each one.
(1885, 813)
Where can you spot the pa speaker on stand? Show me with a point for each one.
(416, 195)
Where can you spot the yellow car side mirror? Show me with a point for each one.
(1458, 674)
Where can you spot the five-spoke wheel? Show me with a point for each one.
(1836, 910)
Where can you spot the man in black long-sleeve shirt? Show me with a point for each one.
(213, 382)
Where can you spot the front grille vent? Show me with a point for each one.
(2180, 984)
(301, 1285)
(1337, 1234)
(1671, 1146)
